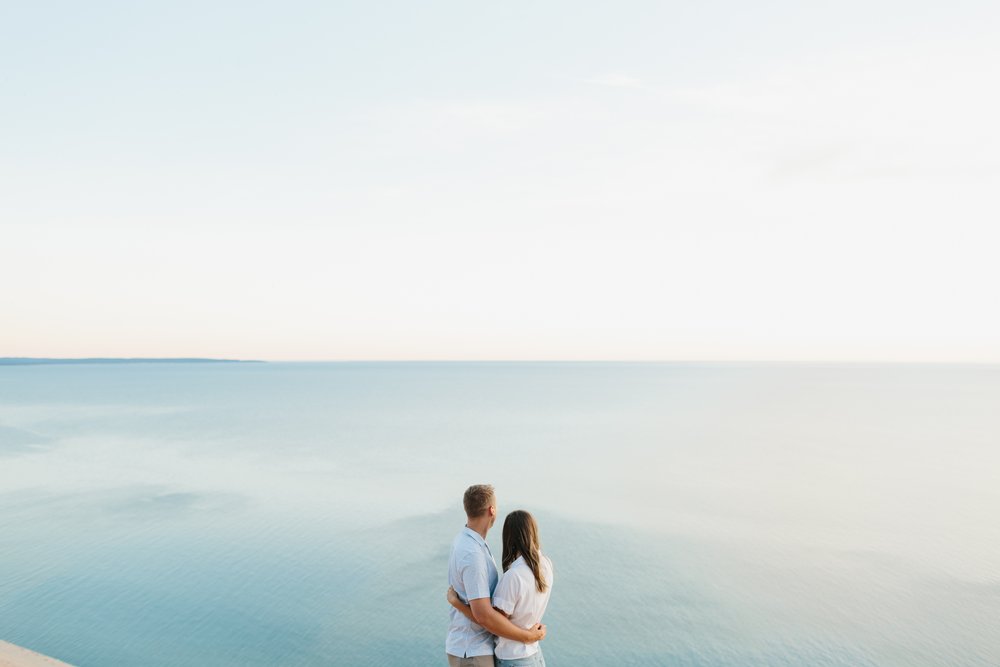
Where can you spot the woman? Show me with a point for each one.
(523, 591)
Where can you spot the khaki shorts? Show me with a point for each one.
(477, 661)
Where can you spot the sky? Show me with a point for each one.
(462, 180)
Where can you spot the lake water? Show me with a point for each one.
(697, 514)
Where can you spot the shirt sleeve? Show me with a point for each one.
(475, 576)
(507, 592)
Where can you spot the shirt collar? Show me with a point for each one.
(476, 536)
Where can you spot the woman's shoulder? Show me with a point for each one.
(546, 561)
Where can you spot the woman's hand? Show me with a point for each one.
(457, 603)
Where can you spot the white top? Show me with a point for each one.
(517, 595)
(472, 572)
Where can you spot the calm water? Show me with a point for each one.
(300, 514)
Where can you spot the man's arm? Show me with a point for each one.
(474, 572)
(485, 615)
(465, 609)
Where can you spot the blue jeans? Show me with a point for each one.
(537, 660)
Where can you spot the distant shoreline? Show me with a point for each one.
(50, 361)
(12, 655)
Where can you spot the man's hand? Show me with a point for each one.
(452, 597)
(494, 621)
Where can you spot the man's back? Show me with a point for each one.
(472, 572)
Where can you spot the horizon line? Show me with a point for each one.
(26, 360)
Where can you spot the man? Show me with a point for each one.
(472, 572)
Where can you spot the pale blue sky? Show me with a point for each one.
(306, 180)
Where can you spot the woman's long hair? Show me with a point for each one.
(520, 538)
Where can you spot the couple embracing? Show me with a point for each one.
(496, 618)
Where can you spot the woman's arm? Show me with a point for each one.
(457, 603)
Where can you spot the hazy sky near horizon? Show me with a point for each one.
(458, 180)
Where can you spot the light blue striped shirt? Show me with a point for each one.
(472, 572)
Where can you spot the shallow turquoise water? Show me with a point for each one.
(299, 514)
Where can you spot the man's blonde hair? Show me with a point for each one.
(478, 499)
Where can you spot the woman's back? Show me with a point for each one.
(517, 595)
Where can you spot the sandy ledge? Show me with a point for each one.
(15, 656)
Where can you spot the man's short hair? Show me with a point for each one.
(478, 499)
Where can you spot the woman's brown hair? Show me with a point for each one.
(520, 538)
